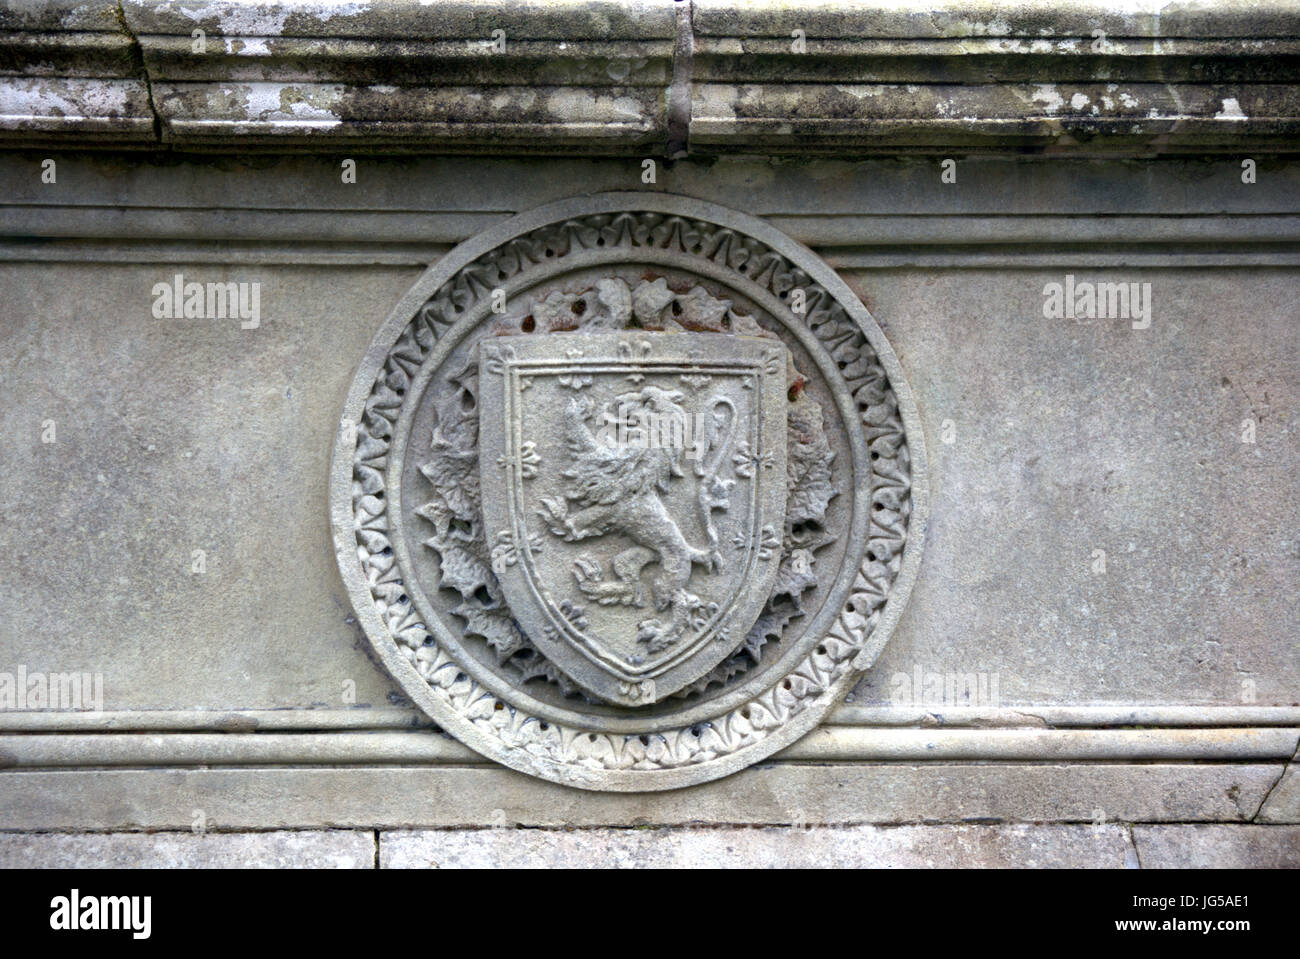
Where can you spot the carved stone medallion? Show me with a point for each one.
(627, 491)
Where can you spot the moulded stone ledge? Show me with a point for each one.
(1100, 845)
(653, 77)
(406, 797)
(283, 849)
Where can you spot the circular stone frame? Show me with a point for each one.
(735, 734)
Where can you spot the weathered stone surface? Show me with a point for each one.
(1052, 441)
(1218, 847)
(338, 849)
(1092, 435)
(798, 847)
(589, 75)
(398, 797)
(266, 574)
(113, 112)
(173, 436)
(1141, 117)
(398, 20)
(89, 16)
(813, 847)
(992, 18)
(1283, 802)
(881, 212)
(610, 78)
(247, 741)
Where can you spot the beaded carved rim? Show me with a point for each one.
(738, 733)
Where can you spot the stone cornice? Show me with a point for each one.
(653, 77)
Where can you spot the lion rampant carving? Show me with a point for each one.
(615, 488)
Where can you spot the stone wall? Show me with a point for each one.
(1098, 662)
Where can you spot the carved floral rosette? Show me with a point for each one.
(737, 271)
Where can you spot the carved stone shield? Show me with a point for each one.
(628, 491)
(633, 494)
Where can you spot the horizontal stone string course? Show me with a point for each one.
(407, 796)
(836, 744)
(846, 714)
(652, 78)
(1060, 845)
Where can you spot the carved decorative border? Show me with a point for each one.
(596, 758)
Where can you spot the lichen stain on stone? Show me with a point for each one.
(1046, 94)
(287, 103)
(1231, 110)
(501, 102)
(974, 28)
(860, 92)
(35, 99)
(268, 20)
(247, 46)
(583, 105)
(237, 20)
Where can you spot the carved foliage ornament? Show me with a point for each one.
(627, 491)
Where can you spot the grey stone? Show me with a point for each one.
(141, 477)
(1061, 446)
(619, 636)
(397, 797)
(245, 742)
(810, 847)
(602, 77)
(1050, 441)
(1283, 802)
(217, 655)
(338, 849)
(626, 288)
(1218, 847)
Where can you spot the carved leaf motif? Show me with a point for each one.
(452, 466)
(700, 311)
(495, 625)
(795, 575)
(809, 465)
(530, 665)
(462, 570)
(454, 477)
(649, 301)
